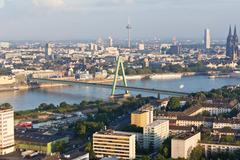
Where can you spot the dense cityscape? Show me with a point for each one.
(121, 98)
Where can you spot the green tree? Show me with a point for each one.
(146, 158)
(160, 157)
(60, 146)
(227, 138)
(233, 112)
(89, 149)
(173, 104)
(197, 153)
(165, 148)
(165, 151)
(81, 128)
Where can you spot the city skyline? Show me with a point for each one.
(72, 19)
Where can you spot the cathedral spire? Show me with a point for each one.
(230, 31)
(235, 30)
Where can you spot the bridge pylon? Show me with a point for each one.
(119, 66)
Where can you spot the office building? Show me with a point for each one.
(143, 116)
(114, 144)
(6, 130)
(155, 133)
(207, 39)
(183, 144)
(232, 45)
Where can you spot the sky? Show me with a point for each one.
(91, 19)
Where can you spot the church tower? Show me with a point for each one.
(229, 46)
(235, 44)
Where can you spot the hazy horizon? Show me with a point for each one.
(81, 19)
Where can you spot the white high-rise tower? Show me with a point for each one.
(110, 42)
(207, 39)
(129, 27)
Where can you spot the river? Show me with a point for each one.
(30, 99)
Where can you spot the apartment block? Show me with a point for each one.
(143, 116)
(114, 144)
(183, 144)
(211, 147)
(6, 130)
(155, 133)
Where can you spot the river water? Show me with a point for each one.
(30, 99)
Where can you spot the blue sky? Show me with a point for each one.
(84, 19)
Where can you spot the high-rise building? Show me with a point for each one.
(93, 47)
(7, 144)
(143, 116)
(48, 50)
(141, 46)
(155, 133)
(232, 44)
(110, 42)
(114, 144)
(207, 39)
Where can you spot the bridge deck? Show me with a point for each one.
(140, 89)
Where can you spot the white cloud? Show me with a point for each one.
(49, 3)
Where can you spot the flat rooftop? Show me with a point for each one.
(139, 111)
(157, 122)
(35, 136)
(184, 136)
(4, 108)
(112, 132)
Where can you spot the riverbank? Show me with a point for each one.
(27, 87)
(163, 76)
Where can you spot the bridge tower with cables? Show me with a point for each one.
(119, 67)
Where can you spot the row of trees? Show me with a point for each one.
(61, 108)
(175, 68)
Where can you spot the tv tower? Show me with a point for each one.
(129, 27)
